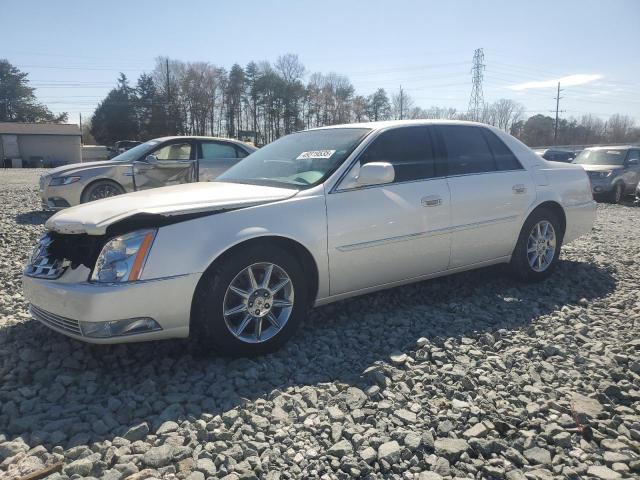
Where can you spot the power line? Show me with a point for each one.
(476, 101)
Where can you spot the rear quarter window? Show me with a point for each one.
(505, 159)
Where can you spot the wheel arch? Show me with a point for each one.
(97, 180)
(300, 252)
(554, 207)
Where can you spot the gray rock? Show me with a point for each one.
(355, 398)
(538, 456)
(9, 449)
(451, 448)
(368, 454)
(80, 467)
(167, 427)
(137, 432)
(390, 452)
(340, 449)
(412, 441)
(398, 358)
(406, 416)
(159, 456)
(602, 472)
(585, 408)
(429, 476)
(477, 431)
(206, 466)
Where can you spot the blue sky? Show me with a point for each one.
(73, 50)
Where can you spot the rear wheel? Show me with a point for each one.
(538, 248)
(101, 189)
(249, 304)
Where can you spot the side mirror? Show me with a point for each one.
(151, 159)
(375, 173)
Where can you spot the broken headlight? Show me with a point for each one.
(122, 258)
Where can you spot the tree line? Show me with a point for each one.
(18, 102)
(263, 101)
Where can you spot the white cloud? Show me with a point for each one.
(569, 80)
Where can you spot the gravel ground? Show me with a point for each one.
(470, 376)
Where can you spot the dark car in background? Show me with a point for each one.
(555, 155)
(614, 172)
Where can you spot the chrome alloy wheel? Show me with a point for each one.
(258, 302)
(103, 191)
(541, 246)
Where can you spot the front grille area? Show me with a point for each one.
(56, 321)
(42, 264)
(45, 267)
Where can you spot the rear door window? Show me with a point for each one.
(217, 151)
(467, 150)
(408, 149)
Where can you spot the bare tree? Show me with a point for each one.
(503, 113)
(618, 128)
(401, 105)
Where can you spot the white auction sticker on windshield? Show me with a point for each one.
(316, 154)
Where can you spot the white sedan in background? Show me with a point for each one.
(312, 218)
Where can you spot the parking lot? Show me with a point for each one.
(469, 376)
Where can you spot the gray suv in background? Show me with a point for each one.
(613, 171)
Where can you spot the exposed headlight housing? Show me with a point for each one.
(58, 181)
(122, 258)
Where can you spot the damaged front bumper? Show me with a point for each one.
(113, 313)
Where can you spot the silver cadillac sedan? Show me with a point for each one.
(156, 163)
(312, 218)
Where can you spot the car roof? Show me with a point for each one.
(612, 147)
(201, 137)
(396, 123)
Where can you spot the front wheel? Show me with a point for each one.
(617, 193)
(101, 189)
(249, 304)
(538, 248)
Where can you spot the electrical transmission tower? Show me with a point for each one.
(476, 101)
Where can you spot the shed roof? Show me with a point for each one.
(19, 128)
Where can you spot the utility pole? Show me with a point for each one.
(401, 102)
(476, 101)
(555, 128)
(81, 139)
(168, 121)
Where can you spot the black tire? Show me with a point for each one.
(112, 189)
(208, 329)
(519, 265)
(617, 194)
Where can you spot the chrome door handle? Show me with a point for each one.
(519, 188)
(431, 201)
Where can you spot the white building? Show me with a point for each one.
(40, 144)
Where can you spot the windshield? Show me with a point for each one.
(299, 160)
(136, 152)
(601, 157)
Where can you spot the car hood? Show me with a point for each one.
(95, 217)
(599, 168)
(75, 167)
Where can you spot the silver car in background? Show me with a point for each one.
(156, 163)
(613, 171)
